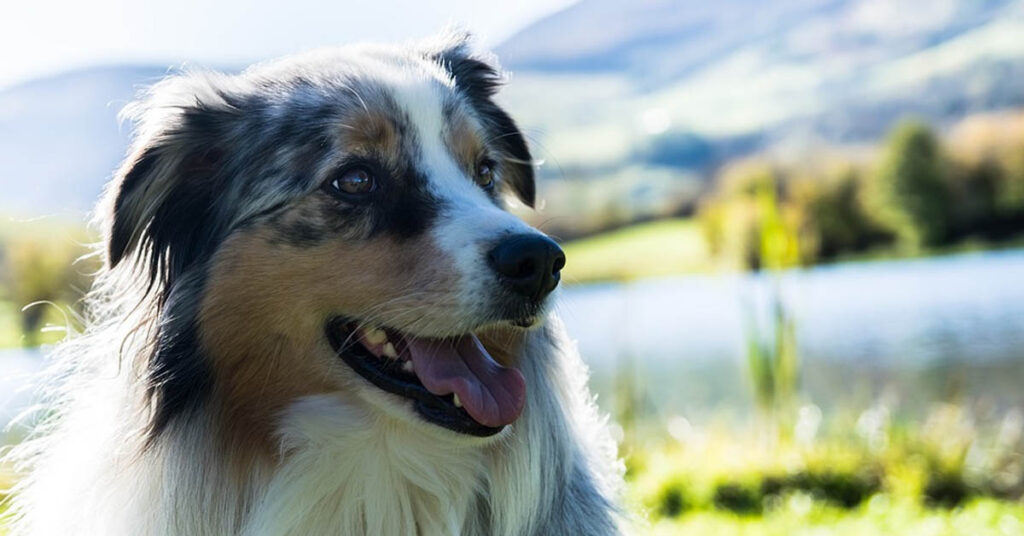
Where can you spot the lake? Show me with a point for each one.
(914, 331)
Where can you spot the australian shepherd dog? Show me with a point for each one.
(317, 317)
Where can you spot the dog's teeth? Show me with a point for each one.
(389, 350)
(407, 366)
(456, 401)
(375, 336)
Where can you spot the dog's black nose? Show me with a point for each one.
(529, 264)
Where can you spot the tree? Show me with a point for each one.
(909, 192)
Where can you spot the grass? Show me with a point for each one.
(952, 472)
(660, 248)
(799, 515)
(677, 246)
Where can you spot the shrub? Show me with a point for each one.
(840, 488)
(946, 489)
(738, 498)
(843, 489)
(909, 191)
(673, 499)
(834, 219)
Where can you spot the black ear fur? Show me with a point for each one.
(164, 216)
(479, 81)
(163, 197)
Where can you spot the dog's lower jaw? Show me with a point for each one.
(386, 477)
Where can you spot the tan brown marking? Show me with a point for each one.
(463, 141)
(262, 317)
(371, 133)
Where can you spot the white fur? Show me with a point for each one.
(345, 470)
(472, 223)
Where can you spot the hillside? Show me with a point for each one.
(741, 74)
(631, 104)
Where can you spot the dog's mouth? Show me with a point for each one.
(453, 382)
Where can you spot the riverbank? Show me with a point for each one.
(677, 247)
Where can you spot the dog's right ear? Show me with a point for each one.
(164, 192)
(478, 77)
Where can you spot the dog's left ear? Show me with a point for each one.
(479, 78)
(159, 206)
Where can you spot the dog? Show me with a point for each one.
(317, 316)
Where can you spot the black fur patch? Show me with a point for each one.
(176, 204)
(180, 380)
(401, 206)
(479, 82)
(407, 208)
(182, 226)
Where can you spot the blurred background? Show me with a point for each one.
(795, 229)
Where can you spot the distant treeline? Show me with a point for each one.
(918, 192)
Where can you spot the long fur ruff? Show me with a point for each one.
(342, 474)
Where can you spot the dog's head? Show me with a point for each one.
(334, 223)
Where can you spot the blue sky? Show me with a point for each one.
(43, 37)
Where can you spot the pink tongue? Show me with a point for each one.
(492, 394)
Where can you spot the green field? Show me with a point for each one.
(919, 480)
(800, 516)
(660, 248)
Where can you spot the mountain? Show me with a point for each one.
(60, 138)
(660, 40)
(842, 71)
(635, 94)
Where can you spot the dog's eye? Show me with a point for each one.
(356, 181)
(485, 173)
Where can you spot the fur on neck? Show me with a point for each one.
(341, 469)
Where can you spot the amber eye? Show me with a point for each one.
(354, 181)
(485, 173)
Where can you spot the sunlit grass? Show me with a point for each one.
(949, 473)
(677, 246)
(660, 248)
(798, 515)
(753, 480)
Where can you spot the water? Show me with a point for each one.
(902, 313)
(925, 329)
(913, 331)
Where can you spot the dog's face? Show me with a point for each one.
(335, 223)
